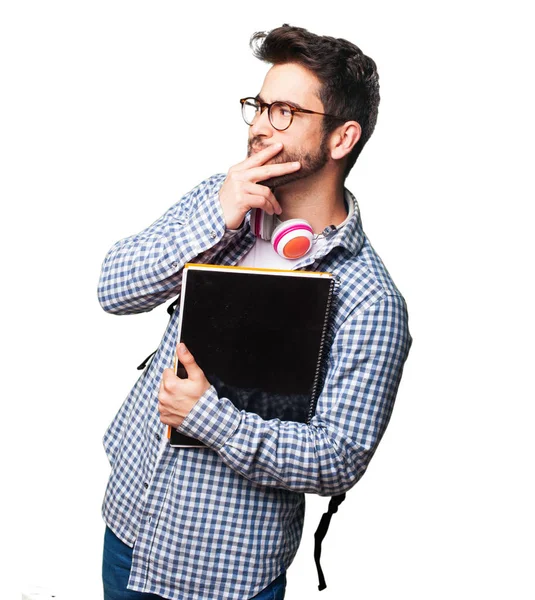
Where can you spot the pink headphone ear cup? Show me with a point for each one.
(293, 239)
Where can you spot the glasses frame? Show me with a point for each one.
(293, 110)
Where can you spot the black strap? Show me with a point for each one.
(145, 362)
(321, 531)
(170, 310)
(172, 306)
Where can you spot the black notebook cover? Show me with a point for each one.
(258, 336)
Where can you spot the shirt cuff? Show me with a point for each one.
(212, 420)
(207, 231)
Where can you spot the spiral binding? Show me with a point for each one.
(314, 394)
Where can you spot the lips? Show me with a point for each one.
(256, 149)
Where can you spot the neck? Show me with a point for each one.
(319, 199)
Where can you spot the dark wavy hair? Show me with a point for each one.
(349, 78)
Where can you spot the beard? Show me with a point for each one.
(310, 162)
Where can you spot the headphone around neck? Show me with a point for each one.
(290, 239)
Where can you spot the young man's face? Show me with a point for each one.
(303, 140)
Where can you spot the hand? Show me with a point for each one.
(241, 191)
(178, 396)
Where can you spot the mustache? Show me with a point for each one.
(256, 143)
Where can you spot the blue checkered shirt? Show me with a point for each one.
(221, 523)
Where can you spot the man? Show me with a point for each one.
(225, 522)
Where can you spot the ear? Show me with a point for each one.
(344, 138)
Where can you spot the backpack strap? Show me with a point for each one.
(321, 531)
(170, 310)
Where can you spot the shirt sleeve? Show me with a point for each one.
(144, 270)
(330, 454)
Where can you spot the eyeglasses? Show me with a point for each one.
(280, 114)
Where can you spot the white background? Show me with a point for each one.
(110, 111)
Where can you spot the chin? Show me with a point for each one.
(283, 180)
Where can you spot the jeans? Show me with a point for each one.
(116, 563)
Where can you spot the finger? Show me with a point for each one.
(168, 377)
(164, 387)
(262, 203)
(168, 383)
(262, 193)
(268, 171)
(186, 358)
(259, 158)
(258, 202)
(162, 401)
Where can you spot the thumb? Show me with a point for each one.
(186, 358)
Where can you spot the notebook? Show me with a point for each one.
(258, 335)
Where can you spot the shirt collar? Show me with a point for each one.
(350, 236)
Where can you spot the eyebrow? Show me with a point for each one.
(290, 102)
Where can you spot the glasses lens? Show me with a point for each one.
(249, 109)
(280, 115)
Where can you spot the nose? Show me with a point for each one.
(261, 125)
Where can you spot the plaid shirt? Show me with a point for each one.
(222, 523)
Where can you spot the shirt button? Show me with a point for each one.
(158, 437)
(174, 265)
(213, 235)
(146, 485)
